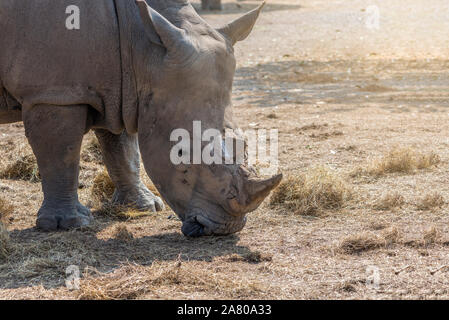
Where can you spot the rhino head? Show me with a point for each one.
(193, 82)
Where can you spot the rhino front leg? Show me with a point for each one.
(55, 134)
(122, 158)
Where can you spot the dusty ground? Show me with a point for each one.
(340, 94)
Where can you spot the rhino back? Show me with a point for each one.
(42, 61)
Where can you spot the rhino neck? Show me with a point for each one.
(138, 54)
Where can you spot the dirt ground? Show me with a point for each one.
(341, 93)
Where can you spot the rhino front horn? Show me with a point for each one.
(261, 188)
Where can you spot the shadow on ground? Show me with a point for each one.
(42, 258)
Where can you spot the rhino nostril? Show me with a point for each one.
(192, 228)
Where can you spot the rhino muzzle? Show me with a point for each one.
(229, 217)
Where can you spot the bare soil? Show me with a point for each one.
(341, 95)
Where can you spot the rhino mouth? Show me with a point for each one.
(201, 225)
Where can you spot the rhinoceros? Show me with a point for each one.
(132, 71)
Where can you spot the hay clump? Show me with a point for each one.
(399, 160)
(365, 241)
(424, 161)
(431, 236)
(102, 188)
(360, 242)
(23, 168)
(390, 201)
(430, 201)
(122, 233)
(122, 212)
(312, 192)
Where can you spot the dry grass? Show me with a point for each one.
(425, 161)
(360, 242)
(251, 257)
(102, 188)
(121, 212)
(430, 201)
(313, 192)
(47, 258)
(128, 282)
(347, 286)
(92, 151)
(5, 242)
(313, 126)
(23, 168)
(326, 135)
(366, 241)
(6, 209)
(121, 232)
(399, 160)
(390, 201)
(133, 281)
(431, 236)
(375, 88)
(310, 78)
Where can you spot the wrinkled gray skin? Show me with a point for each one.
(134, 69)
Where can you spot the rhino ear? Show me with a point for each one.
(240, 28)
(163, 32)
(144, 11)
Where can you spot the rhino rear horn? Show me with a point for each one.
(240, 28)
(163, 32)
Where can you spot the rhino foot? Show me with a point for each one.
(139, 198)
(51, 219)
